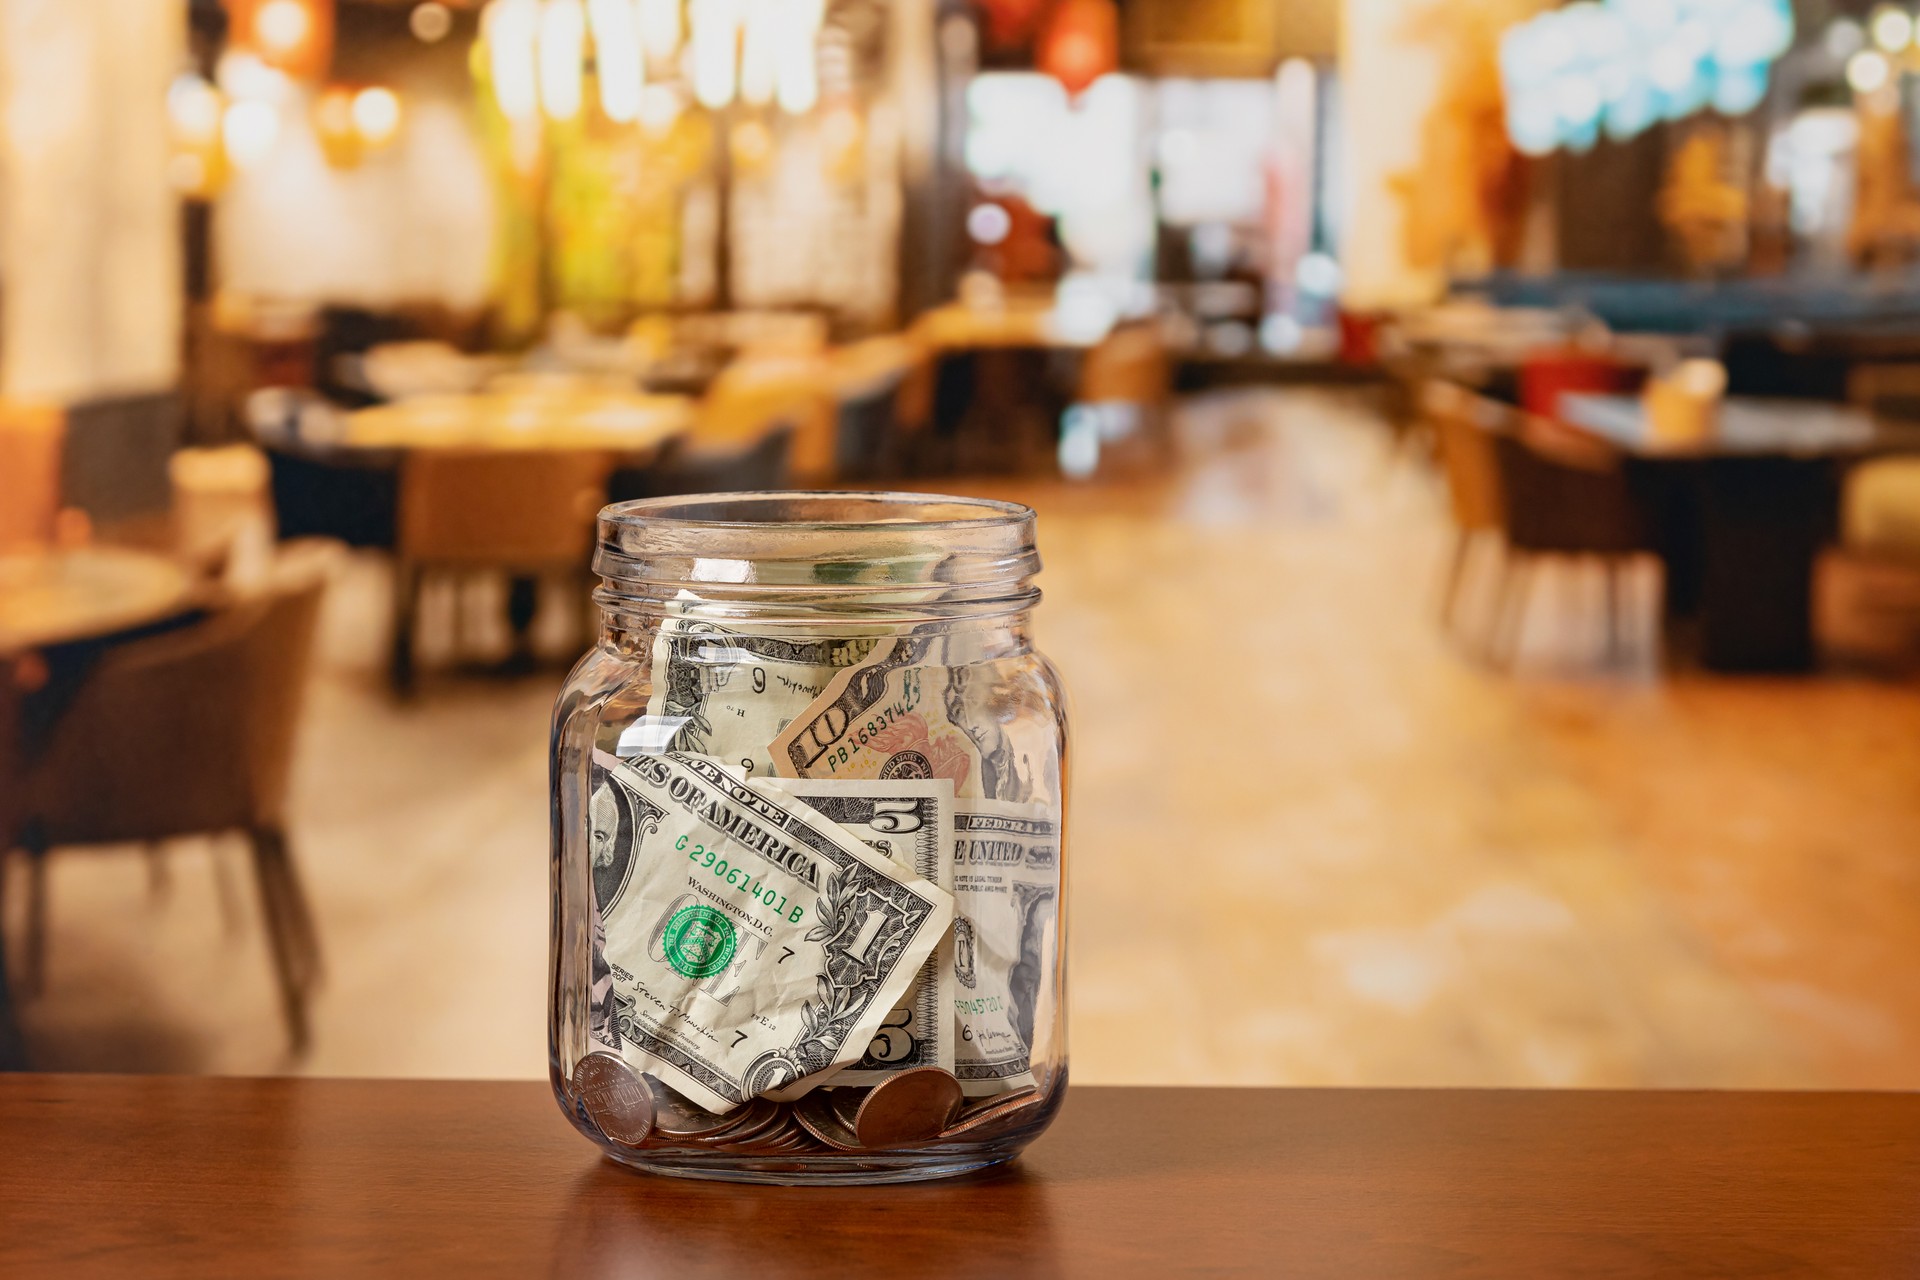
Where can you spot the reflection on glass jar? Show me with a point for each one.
(808, 842)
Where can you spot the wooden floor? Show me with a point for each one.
(1314, 841)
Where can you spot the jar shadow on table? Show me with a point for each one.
(617, 1225)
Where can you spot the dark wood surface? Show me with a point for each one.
(119, 1176)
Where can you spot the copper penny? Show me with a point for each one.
(616, 1100)
(818, 1116)
(910, 1107)
(987, 1114)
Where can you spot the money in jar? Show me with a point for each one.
(809, 841)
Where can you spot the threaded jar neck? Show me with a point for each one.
(805, 556)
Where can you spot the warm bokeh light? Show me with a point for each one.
(715, 38)
(798, 70)
(563, 38)
(294, 36)
(660, 106)
(193, 111)
(376, 115)
(511, 29)
(333, 125)
(242, 75)
(250, 129)
(659, 22)
(431, 22)
(282, 26)
(760, 52)
(1868, 71)
(617, 60)
(1892, 28)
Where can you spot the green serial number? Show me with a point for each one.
(739, 878)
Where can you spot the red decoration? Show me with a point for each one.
(1081, 43)
(1010, 24)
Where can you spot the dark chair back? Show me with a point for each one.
(334, 494)
(184, 733)
(1465, 426)
(867, 432)
(685, 467)
(956, 375)
(1566, 496)
(114, 465)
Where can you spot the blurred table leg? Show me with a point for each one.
(1763, 521)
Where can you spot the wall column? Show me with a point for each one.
(90, 287)
(1387, 84)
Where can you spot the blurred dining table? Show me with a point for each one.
(625, 423)
(1019, 321)
(59, 597)
(1742, 509)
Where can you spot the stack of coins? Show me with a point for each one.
(909, 1109)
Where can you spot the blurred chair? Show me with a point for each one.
(1785, 363)
(953, 386)
(1563, 496)
(1464, 426)
(31, 439)
(1127, 381)
(188, 733)
(525, 513)
(871, 378)
(1890, 391)
(866, 438)
(755, 392)
(686, 465)
(114, 466)
(319, 489)
(334, 493)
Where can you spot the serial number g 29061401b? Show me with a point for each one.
(739, 878)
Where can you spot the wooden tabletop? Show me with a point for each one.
(1017, 322)
(57, 597)
(624, 422)
(1746, 426)
(119, 1176)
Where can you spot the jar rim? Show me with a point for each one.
(901, 555)
(889, 506)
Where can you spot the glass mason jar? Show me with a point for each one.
(808, 836)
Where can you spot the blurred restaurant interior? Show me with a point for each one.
(1476, 445)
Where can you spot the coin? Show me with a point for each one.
(846, 1103)
(786, 1138)
(676, 1119)
(749, 1123)
(910, 1107)
(988, 1114)
(817, 1114)
(616, 1100)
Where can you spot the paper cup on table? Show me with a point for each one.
(1684, 405)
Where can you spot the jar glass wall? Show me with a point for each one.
(808, 842)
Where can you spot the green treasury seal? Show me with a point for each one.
(699, 941)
